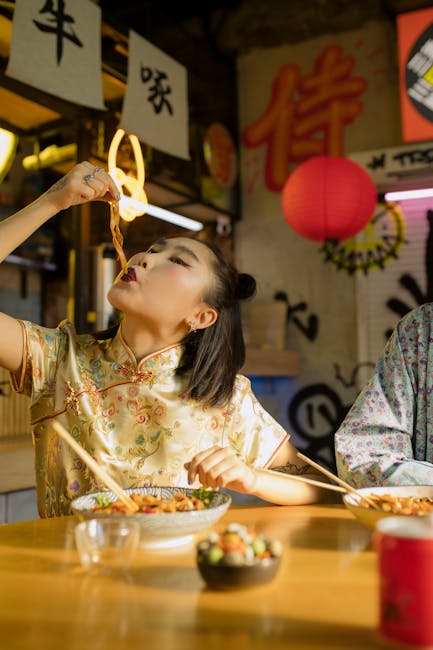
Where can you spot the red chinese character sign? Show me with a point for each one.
(306, 115)
(415, 54)
(155, 107)
(328, 198)
(56, 47)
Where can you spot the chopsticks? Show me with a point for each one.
(337, 479)
(304, 479)
(96, 469)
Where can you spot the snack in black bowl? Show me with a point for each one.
(238, 557)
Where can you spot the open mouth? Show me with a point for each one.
(130, 276)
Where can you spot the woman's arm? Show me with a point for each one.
(278, 487)
(70, 190)
(221, 467)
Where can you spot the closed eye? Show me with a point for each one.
(178, 260)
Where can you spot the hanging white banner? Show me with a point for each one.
(56, 47)
(155, 106)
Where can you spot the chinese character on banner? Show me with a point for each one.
(56, 47)
(415, 55)
(155, 107)
(306, 116)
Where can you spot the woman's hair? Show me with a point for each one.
(214, 355)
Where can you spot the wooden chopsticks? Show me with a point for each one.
(303, 479)
(96, 469)
(337, 479)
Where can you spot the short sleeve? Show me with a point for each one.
(41, 353)
(250, 430)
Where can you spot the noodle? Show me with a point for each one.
(149, 503)
(117, 235)
(401, 505)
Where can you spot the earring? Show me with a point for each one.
(192, 327)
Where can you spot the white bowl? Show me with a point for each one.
(368, 515)
(160, 530)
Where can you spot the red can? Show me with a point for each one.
(405, 556)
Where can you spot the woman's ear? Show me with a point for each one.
(205, 317)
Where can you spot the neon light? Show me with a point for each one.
(409, 194)
(172, 217)
(133, 185)
(134, 204)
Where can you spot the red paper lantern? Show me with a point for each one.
(328, 198)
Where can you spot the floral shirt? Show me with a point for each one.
(387, 437)
(132, 418)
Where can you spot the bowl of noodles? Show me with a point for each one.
(168, 516)
(405, 501)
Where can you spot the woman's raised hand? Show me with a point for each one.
(82, 183)
(221, 467)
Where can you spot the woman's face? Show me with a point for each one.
(166, 284)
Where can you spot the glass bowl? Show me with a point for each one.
(107, 543)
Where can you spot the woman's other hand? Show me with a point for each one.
(82, 183)
(220, 467)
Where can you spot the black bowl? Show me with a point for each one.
(220, 576)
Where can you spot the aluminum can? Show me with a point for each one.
(405, 564)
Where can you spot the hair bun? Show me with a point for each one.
(246, 286)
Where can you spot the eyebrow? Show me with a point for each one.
(178, 247)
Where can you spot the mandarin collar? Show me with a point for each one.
(165, 359)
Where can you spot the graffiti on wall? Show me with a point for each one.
(316, 412)
(411, 285)
(309, 325)
(375, 246)
(306, 115)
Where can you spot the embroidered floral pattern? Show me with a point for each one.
(129, 416)
(71, 398)
(387, 437)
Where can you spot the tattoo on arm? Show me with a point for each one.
(291, 468)
(57, 186)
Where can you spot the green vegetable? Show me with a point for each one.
(214, 554)
(259, 545)
(102, 500)
(203, 494)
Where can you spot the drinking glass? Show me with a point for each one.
(107, 544)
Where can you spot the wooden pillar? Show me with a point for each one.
(79, 295)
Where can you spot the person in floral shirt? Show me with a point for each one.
(158, 399)
(387, 436)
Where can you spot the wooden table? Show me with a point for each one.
(324, 597)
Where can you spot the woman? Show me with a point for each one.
(387, 437)
(158, 400)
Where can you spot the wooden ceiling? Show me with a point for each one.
(231, 27)
(204, 36)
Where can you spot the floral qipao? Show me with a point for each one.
(132, 418)
(387, 437)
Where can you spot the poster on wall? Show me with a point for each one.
(415, 55)
(56, 47)
(155, 107)
(307, 114)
